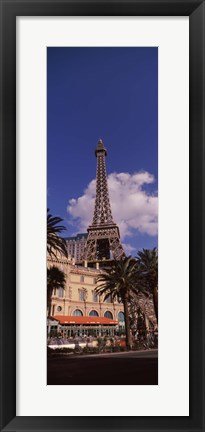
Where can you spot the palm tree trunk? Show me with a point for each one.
(155, 300)
(127, 323)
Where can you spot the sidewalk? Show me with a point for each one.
(141, 353)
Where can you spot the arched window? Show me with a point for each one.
(77, 312)
(108, 314)
(121, 316)
(93, 313)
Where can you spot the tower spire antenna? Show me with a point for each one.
(100, 147)
(103, 234)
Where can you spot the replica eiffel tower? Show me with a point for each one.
(103, 241)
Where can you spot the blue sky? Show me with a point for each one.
(112, 94)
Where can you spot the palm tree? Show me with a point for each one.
(147, 261)
(55, 279)
(139, 305)
(55, 243)
(119, 282)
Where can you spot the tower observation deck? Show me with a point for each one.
(103, 241)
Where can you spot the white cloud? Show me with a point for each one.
(133, 208)
(128, 248)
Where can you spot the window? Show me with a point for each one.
(108, 314)
(108, 299)
(60, 292)
(121, 316)
(95, 296)
(77, 312)
(82, 295)
(95, 280)
(93, 313)
(59, 308)
(81, 278)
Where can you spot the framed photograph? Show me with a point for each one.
(110, 222)
(119, 85)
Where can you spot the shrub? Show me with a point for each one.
(78, 350)
(90, 350)
(123, 348)
(101, 343)
(116, 348)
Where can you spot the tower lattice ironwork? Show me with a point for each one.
(103, 241)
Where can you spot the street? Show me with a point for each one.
(132, 368)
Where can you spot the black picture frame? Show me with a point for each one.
(195, 9)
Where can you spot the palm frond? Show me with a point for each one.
(55, 243)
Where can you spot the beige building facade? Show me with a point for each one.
(79, 297)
